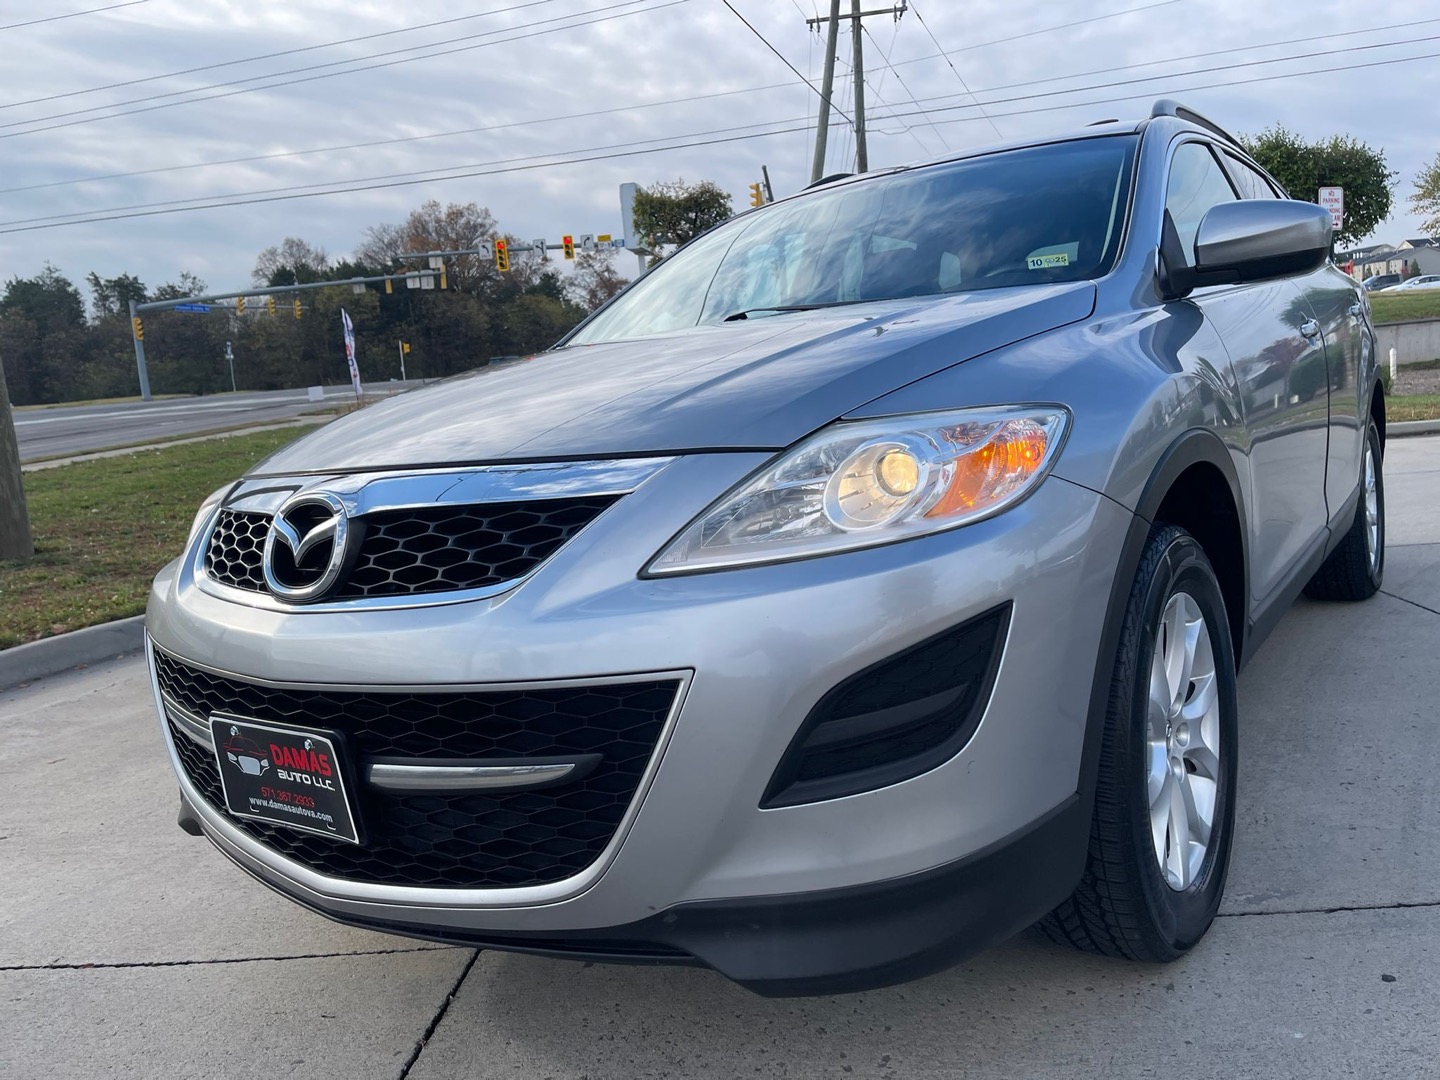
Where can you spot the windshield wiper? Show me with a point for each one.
(781, 309)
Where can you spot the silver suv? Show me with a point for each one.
(865, 583)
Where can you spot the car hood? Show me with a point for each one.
(758, 384)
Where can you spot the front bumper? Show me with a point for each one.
(699, 870)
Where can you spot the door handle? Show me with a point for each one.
(1310, 328)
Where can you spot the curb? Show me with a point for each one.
(1413, 427)
(53, 655)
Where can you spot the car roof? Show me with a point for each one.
(1171, 115)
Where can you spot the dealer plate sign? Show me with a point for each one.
(283, 776)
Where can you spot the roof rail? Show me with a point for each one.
(828, 180)
(1167, 107)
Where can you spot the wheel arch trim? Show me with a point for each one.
(1196, 446)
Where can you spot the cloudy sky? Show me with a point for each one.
(152, 104)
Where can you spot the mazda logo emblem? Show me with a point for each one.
(306, 546)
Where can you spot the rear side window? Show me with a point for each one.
(1197, 182)
(1251, 184)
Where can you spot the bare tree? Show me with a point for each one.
(595, 279)
(292, 261)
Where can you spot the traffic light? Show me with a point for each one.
(297, 307)
(389, 287)
(239, 305)
(502, 256)
(270, 304)
(568, 244)
(139, 328)
(442, 278)
(757, 195)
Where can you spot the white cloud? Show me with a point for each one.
(693, 48)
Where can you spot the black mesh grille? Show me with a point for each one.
(417, 551)
(442, 548)
(233, 555)
(450, 840)
(897, 719)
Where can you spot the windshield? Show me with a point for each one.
(1042, 214)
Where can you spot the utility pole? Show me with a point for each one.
(862, 158)
(230, 356)
(15, 539)
(827, 85)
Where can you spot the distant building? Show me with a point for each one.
(1422, 252)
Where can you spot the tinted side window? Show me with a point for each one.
(1196, 184)
(1251, 184)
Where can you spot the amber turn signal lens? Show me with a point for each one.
(1004, 462)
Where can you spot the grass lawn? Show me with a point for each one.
(103, 528)
(1397, 307)
(1412, 407)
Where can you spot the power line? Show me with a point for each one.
(1205, 71)
(365, 180)
(243, 199)
(702, 97)
(1051, 29)
(903, 85)
(1149, 93)
(787, 63)
(328, 75)
(71, 15)
(410, 183)
(398, 139)
(262, 56)
(1213, 52)
(953, 68)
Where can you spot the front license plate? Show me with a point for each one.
(283, 776)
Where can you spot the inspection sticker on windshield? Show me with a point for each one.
(1045, 262)
(283, 776)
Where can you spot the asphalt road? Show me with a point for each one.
(76, 429)
(130, 949)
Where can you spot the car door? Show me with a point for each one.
(1338, 303)
(1277, 358)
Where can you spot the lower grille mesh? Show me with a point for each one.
(449, 840)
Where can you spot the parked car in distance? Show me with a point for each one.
(1381, 281)
(1424, 281)
(863, 584)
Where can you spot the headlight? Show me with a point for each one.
(206, 509)
(860, 483)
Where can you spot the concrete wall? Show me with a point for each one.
(1412, 341)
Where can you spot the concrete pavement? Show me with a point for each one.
(130, 949)
(75, 429)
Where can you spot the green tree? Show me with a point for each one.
(1303, 168)
(1426, 198)
(42, 324)
(671, 213)
(112, 296)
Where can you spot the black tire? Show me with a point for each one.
(1353, 571)
(1123, 906)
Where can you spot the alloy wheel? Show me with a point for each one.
(1372, 510)
(1183, 761)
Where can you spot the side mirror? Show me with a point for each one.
(1250, 240)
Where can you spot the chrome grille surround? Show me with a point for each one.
(217, 564)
